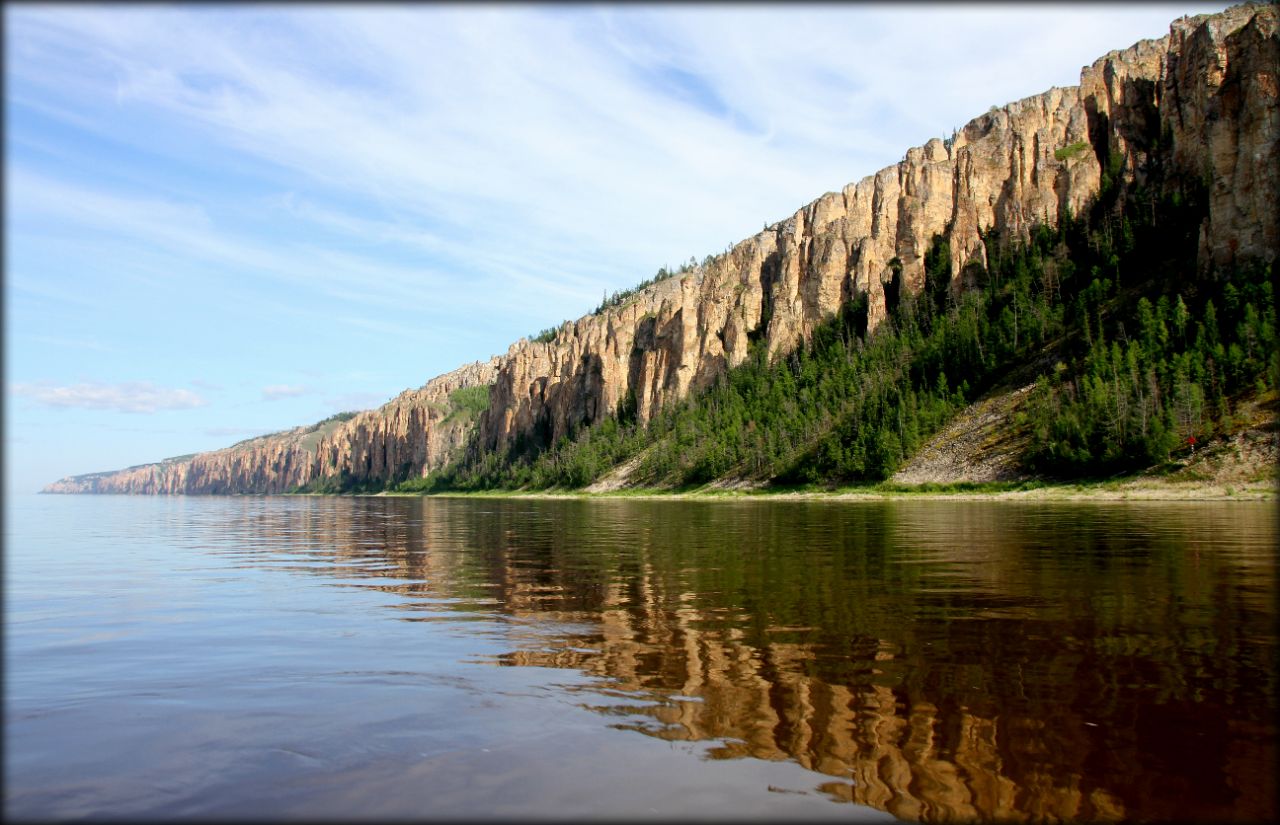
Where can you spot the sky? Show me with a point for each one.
(223, 221)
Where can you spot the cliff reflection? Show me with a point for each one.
(939, 660)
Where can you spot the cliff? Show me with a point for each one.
(1211, 85)
(417, 429)
(1203, 98)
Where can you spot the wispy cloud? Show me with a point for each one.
(275, 392)
(158, 240)
(508, 142)
(132, 397)
(505, 143)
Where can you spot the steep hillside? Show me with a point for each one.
(1101, 347)
(1201, 101)
(1210, 86)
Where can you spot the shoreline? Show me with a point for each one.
(1129, 490)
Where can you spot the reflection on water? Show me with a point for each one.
(954, 659)
(936, 660)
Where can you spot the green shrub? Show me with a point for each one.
(1071, 150)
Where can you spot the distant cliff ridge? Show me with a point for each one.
(1203, 98)
(417, 429)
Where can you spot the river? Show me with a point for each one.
(611, 658)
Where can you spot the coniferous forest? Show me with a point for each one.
(1133, 352)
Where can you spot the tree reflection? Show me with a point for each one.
(940, 660)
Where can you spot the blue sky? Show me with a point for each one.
(225, 221)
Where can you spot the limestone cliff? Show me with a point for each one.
(1204, 97)
(1210, 85)
(415, 431)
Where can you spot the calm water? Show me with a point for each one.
(929, 660)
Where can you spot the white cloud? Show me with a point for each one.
(511, 138)
(156, 240)
(275, 392)
(132, 396)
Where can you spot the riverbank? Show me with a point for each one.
(1241, 467)
(1140, 489)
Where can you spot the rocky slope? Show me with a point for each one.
(982, 443)
(1209, 87)
(985, 441)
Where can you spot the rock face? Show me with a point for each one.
(1210, 87)
(416, 431)
(1220, 81)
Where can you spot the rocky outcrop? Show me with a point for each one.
(1204, 97)
(1220, 81)
(417, 431)
(1210, 87)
